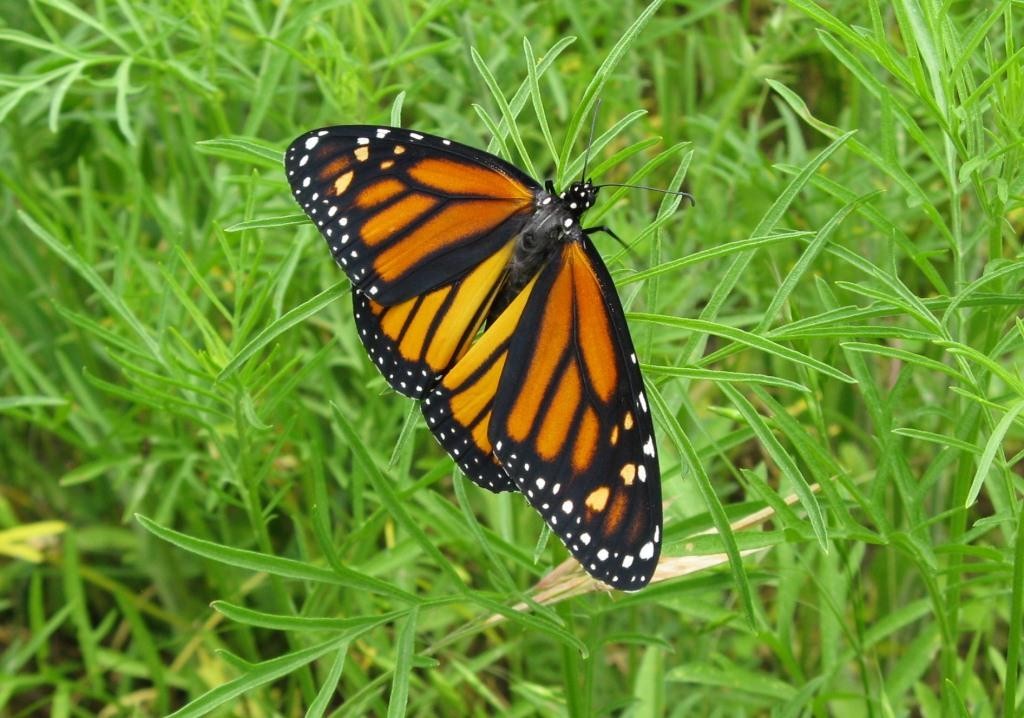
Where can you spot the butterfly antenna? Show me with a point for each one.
(590, 141)
(687, 195)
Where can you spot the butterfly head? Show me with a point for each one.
(579, 197)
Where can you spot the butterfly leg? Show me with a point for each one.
(608, 230)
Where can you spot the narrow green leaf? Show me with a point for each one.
(276, 565)
(590, 94)
(992, 447)
(122, 78)
(505, 109)
(278, 622)
(396, 109)
(746, 338)
(717, 376)
(245, 149)
(295, 316)
(17, 402)
(784, 461)
(719, 518)
(403, 666)
(108, 295)
(287, 220)
(330, 685)
(261, 674)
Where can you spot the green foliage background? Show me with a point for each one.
(841, 308)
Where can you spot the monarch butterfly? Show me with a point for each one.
(477, 292)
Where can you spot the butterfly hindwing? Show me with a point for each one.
(459, 408)
(571, 425)
(405, 212)
(414, 343)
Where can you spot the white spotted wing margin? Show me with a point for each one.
(571, 424)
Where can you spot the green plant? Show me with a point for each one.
(837, 320)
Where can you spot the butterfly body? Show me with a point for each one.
(556, 220)
(477, 292)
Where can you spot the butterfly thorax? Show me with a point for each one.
(556, 220)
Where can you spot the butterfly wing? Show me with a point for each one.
(405, 212)
(414, 342)
(458, 409)
(424, 228)
(570, 423)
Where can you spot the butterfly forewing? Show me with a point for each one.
(405, 212)
(571, 424)
(423, 227)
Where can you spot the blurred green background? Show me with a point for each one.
(837, 320)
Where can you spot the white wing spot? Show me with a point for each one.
(311, 142)
(641, 472)
(649, 446)
(567, 506)
(304, 160)
(643, 401)
(331, 211)
(627, 561)
(363, 140)
(585, 538)
(416, 135)
(540, 484)
(306, 181)
(647, 551)
(602, 555)
(567, 223)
